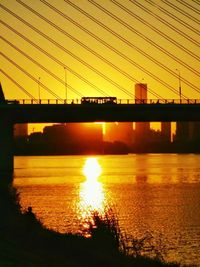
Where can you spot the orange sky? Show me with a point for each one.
(101, 53)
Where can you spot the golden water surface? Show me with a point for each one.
(154, 193)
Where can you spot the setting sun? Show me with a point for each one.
(92, 169)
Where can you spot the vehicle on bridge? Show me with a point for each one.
(12, 101)
(15, 101)
(99, 100)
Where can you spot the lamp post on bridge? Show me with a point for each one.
(179, 83)
(39, 88)
(65, 70)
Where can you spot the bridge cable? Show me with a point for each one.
(166, 12)
(19, 86)
(77, 41)
(39, 65)
(126, 25)
(108, 29)
(124, 40)
(184, 13)
(196, 2)
(160, 64)
(70, 53)
(182, 2)
(161, 19)
(112, 48)
(87, 48)
(57, 61)
(97, 39)
(134, 30)
(53, 58)
(30, 76)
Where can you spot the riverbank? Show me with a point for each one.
(24, 242)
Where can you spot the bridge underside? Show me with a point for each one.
(109, 113)
(37, 113)
(6, 145)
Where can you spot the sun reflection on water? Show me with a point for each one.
(91, 191)
(92, 169)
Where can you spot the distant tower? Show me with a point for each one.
(142, 129)
(166, 131)
(141, 93)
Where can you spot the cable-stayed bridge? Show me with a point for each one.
(80, 49)
(157, 44)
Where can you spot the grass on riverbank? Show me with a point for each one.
(24, 242)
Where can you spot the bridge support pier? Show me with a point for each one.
(6, 145)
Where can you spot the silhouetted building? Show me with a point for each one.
(36, 138)
(194, 130)
(74, 138)
(122, 131)
(166, 131)
(183, 132)
(187, 137)
(142, 129)
(187, 131)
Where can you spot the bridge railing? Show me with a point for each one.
(158, 101)
(49, 101)
(119, 101)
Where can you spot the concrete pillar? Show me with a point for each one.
(6, 145)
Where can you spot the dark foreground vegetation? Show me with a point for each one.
(24, 242)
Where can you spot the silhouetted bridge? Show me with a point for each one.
(43, 111)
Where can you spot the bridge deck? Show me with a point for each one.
(118, 101)
(41, 113)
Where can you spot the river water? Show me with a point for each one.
(150, 193)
